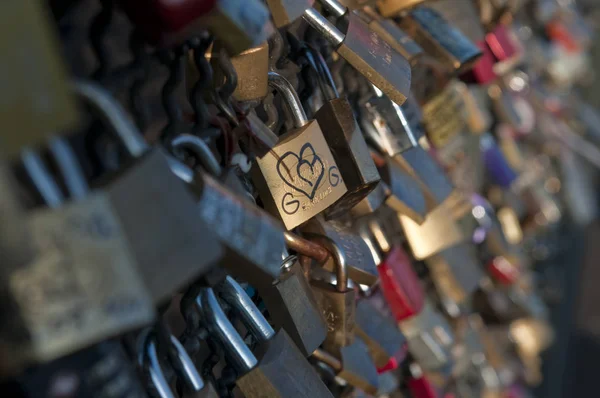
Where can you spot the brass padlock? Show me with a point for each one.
(391, 8)
(299, 177)
(362, 48)
(285, 12)
(440, 39)
(37, 103)
(360, 264)
(389, 31)
(337, 302)
(345, 139)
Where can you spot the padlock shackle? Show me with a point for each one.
(69, 168)
(339, 257)
(112, 113)
(290, 97)
(42, 179)
(324, 27)
(319, 66)
(233, 294)
(213, 318)
(306, 247)
(155, 371)
(373, 233)
(201, 151)
(334, 7)
(328, 359)
(190, 376)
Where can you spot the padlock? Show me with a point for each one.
(281, 370)
(252, 240)
(384, 340)
(391, 8)
(389, 31)
(359, 261)
(345, 139)
(355, 366)
(161, 235)
(420, 385)
(103, 370)
(478, 115)
(440, 39)
(39, 103)
(336, 302)
(182, 364)
(505, 47)
(394, 131)
(456, 274)
(238, 25)
(299, 177)
(430, 338)
(251, 67)
(362, 48)
(293, 307)
(285, 12)
(399, 282)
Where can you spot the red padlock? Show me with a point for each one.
(504, 270)
(483, 70)
(399, 282)
(505, 48)
(419, 384)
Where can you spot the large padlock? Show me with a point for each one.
(281, 370)
(362, 48)
(430, 338)
(193, 384)
(293, 307)
(380, 333)
(285, 12)
(238, 25)
(354, 365)
(361, 267)
(440, 39)
(299, 177)
(161, 235)
(337, 302)
(391, 8)
(389, 31)
(345, 139)
(36, 104)
(399, 282)
(103, 370)
(251, 238)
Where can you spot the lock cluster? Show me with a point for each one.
(287, 198)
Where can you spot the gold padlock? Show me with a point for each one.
(298, 178)
(391, 8)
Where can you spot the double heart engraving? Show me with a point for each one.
(309, 170)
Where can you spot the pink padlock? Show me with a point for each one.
(505, 49)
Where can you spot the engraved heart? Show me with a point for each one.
(309, 170)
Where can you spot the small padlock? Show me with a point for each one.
(391, 8)
(238, 25)
(162, 236)
(193, 385)
(355, 366)
(389, 31)
(250, 237)
(440, 39)
(285, 12)
(299, 177)
(360, 264)
(384, 340)
(345, 139)
(337, 302)
(399, 284)
(103, 370)
(292, 307)
(505, 47)
(37, 103)
(362, 48)
(430, 338)
(420, 385)
(281, 370)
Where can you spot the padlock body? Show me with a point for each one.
(358, 368)
(350, 152)
(389, 31)
(282, 371)
(338, 309)
(293, 308)
(154, 207)
(299, 177)
(252, 240)
(376, 60)
(407, 196)
(400, 285)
